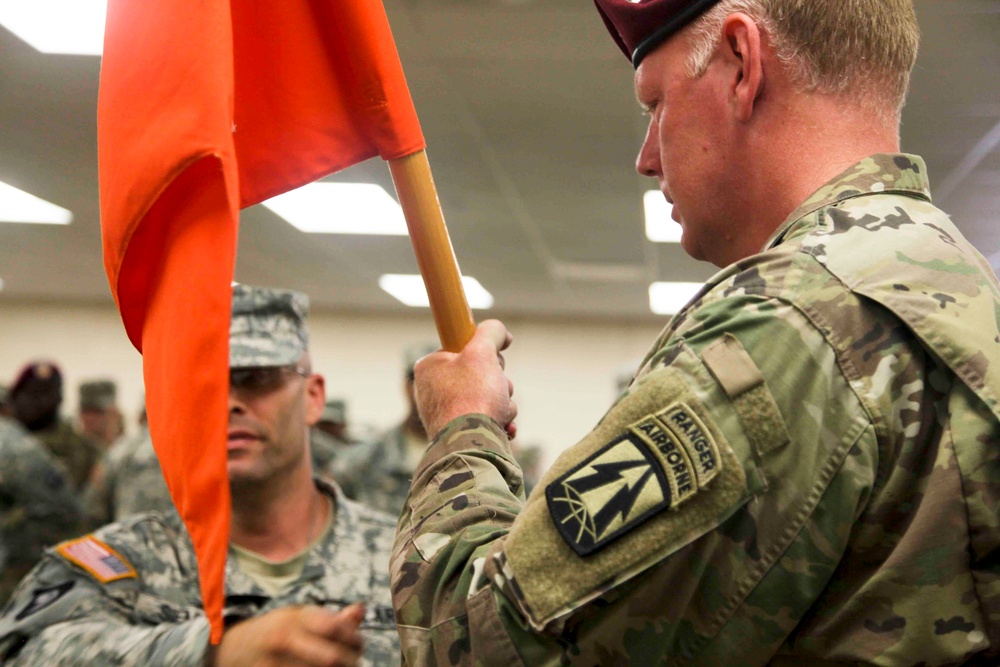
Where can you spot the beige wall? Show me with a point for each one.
(563, 372)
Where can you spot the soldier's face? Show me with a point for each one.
(269, 426)
(36, 401)
(101, 425)
(688, 146)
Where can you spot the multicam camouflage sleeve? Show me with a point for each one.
(61, 615)
(642, 535)
(786, 478)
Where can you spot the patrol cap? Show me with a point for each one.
(639, 26)
(415, 353)
(45, 372)
(335, 411)
(268, 327)
(98, 395)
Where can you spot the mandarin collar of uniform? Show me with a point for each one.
(344, 538)
(896, 173)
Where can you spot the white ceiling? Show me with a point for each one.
(532, 128)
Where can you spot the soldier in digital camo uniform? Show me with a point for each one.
(130, 482)
(300, 555)
(38, 507)
(329, 441)
(98, 415)
(804, 470)
(379, 474)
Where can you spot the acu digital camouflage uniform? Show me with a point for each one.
(37, 505)
(142, 607)
(130, 482)
(378, 474)
(806, 470)
(267, 327)
(325, 452)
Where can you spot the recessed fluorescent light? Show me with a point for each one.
(340, 208)
(71, 27)
(19, 206)
(660, 227)
(410, 290)
(669, 298)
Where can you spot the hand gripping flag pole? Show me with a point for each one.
(206, 107)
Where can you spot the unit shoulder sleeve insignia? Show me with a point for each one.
(42, 598)
(662, 461)
(97, 558)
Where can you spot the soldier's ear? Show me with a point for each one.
(315, 386)
(742, 55)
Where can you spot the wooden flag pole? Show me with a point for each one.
(432, 246)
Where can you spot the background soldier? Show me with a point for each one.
(300, 552)
(328, 440)
(130, 482)
(35, 397)
(6, 410)
(379, 475)
(38, 507)
(333, 421)
(804, 471)
(99, 416)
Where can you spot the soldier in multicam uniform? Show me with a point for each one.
(36, 396)
(300, 556)
(38, 507)
(379, 474)
(804, 471)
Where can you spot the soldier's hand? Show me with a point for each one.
(450, 385)
(298, 636)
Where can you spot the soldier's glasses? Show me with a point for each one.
(262, 378)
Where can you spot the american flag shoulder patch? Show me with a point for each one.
(101, 561)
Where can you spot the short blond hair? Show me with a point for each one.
(862, 49)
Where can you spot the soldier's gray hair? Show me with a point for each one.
(863, 49)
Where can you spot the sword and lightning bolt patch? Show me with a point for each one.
(662, 461)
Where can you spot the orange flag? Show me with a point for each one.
(205, 107)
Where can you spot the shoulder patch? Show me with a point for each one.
(668, 474)
(101, 561)
(44, 597)
(664, 460)
(606, 495)
(695, 439)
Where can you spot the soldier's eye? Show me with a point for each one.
(255, 379)
(263, 378)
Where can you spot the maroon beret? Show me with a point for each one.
(43, 371)
(639, 26)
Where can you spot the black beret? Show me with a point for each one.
(639, 26)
